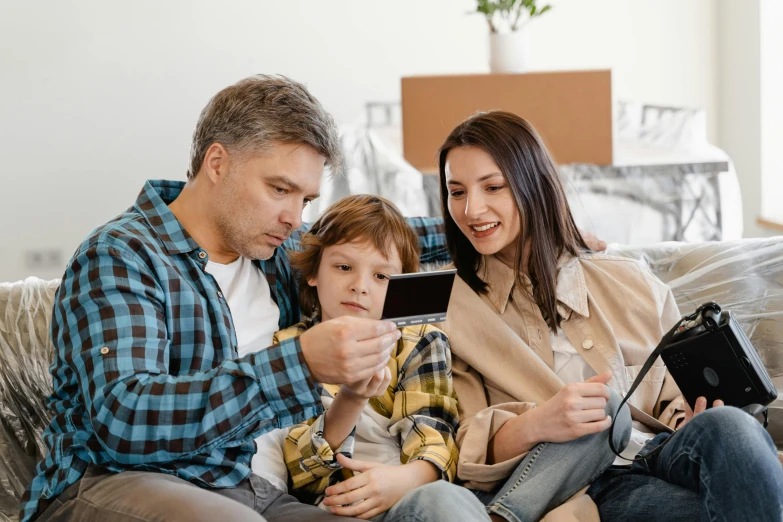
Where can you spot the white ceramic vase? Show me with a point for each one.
(508, 52)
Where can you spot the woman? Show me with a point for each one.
(539, 326)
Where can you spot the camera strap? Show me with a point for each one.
(645, 368)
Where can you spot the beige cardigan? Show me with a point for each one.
(617, 313)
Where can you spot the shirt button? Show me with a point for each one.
(104, 350)
(202, 255)
(587, 344)
(220, 295)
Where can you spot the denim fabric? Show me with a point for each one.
(551, 473)
(722, 466)
(439, 501)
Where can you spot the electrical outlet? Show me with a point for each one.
(44, 259)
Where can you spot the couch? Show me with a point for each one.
(744, 276)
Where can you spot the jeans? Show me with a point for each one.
(551, 473)
(439, 501)
(722, 465)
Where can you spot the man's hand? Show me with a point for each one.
(578, 409)
(701, 406)
(348, 349)
(376, 487)
(592, 241)
(375, 386)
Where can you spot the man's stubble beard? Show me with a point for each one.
(238, 233)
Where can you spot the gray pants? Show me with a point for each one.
(137, 496)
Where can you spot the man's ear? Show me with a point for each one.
(216, 162)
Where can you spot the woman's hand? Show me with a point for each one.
(376, 487)
(577, 410)
(701, 406)
(375, 386)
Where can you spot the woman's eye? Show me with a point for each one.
(456, 193)
(495, 188)
(343, 268)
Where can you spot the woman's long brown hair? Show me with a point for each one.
(546, 223)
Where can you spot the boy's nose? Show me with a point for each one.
(359, 287)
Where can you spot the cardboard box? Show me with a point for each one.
(571, 110)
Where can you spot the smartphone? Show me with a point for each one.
(418, 298)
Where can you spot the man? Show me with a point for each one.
(163, 375)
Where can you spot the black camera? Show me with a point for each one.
(709, 355)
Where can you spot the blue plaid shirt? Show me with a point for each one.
(146, 374)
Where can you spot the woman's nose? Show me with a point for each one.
(475, 206)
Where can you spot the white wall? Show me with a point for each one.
(96, 96)
(772, 110)
(739, 100)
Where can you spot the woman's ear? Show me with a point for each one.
(312, 281)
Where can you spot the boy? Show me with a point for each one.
(407, 413)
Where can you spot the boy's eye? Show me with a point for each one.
(381, 277)
(343, 268)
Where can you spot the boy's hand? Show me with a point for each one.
(375, 386)
(348, 349)
(376, 487)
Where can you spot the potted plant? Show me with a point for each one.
(507, 21)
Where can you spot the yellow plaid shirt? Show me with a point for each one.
(420, 403)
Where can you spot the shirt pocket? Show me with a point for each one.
(646, 395)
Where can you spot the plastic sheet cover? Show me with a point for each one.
(745, 277)
(25, 383)
(372, 167)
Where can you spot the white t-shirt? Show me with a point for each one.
(372, 440)
(572, 367)
(256, 319)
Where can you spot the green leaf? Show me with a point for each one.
(544, 9)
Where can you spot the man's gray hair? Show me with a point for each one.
(262, 109)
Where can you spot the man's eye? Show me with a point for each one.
(281, 191)
(307, 202)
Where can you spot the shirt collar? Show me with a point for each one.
(571, 290)
(152, 204)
